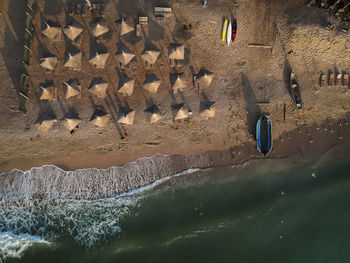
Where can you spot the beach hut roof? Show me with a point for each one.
(98, 87)
(126, 86)
(73, 30)
(71, 88)
(51, 30)
(151, 83)
(100, 28)
(100, 59)
(125, 28)
(125, 55)
(49, 62)
(176, 51)
(70, 122)
(178, 81)
(150, 55)
(155, 113)
(204, 77)
(207, 109)
(126, 116)
(46, 92)
(182, 113)
(45, 123)
(100, 118)
(72, 59)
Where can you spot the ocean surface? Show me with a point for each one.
(264, 211)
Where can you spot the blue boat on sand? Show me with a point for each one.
(264, 134)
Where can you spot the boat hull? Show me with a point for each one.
(296, 95)
(264, 135)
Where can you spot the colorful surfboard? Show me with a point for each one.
(229, 33)
(224, 30)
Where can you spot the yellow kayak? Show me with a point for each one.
(224, 30)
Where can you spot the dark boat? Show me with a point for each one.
(234, 29)
(264, 135)
(295, 90)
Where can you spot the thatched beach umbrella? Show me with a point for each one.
(98, 87)
(100, 59)
(49, 62)
(155, 114)
(177, 81)
(126, 86)
(45, 123)
(204, 78)
(72, 59)
(126, 116)
(100, 118)
(150, 56)
(73, 30)
(207, 109)
(151, 83)
(51, 30)
(100, 28)
(125, 55)
(125, 28)
(182, 113)
(176, 51)
(71, 88)
(70, 122)
(47, 92)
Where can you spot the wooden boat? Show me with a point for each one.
(234, 29)
(224, 30)
(229, 33)
(264, 134)
(295, 90)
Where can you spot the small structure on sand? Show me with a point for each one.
(150, 55)
(47, 92)
(100, 118)
(49, 62)
(126, 116)
(45, 123)
(177, 81)
(126, 86)
(124, 55)
(100, 28)
(207, 109)
(52, 31)
(98, 87)
(73, 30)
(71, 88)
(176, 51)
(125, 28)
(155, 114)
(182, 113)
(151, 83)
(100, 58)
(70, 121)
(72, 59)
(204, 78)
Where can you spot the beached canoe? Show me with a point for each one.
(224, 30)
(264, 135)
(229, 33)
(234, 29)
(295, 90)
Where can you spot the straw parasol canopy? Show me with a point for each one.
(72, 60)
(177, 81)
(49, 62)
(125, 55)
(182, 113)
(51, 30)
(73, 30)
(155, 114)
(100, 59)
(176, 51)
(207, 109)
(151, 83)
(98, 87)
(126, 116)
(150, 56)
(71, 88)
(100, 118)
(204, 77)
(126, 86)
(125, 28)
(100, 28)
(45, 123)
(70, 121)
(47, 92)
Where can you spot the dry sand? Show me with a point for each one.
(243, 77)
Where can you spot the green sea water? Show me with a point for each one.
(257, 214)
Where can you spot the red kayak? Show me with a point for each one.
(234, 29)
